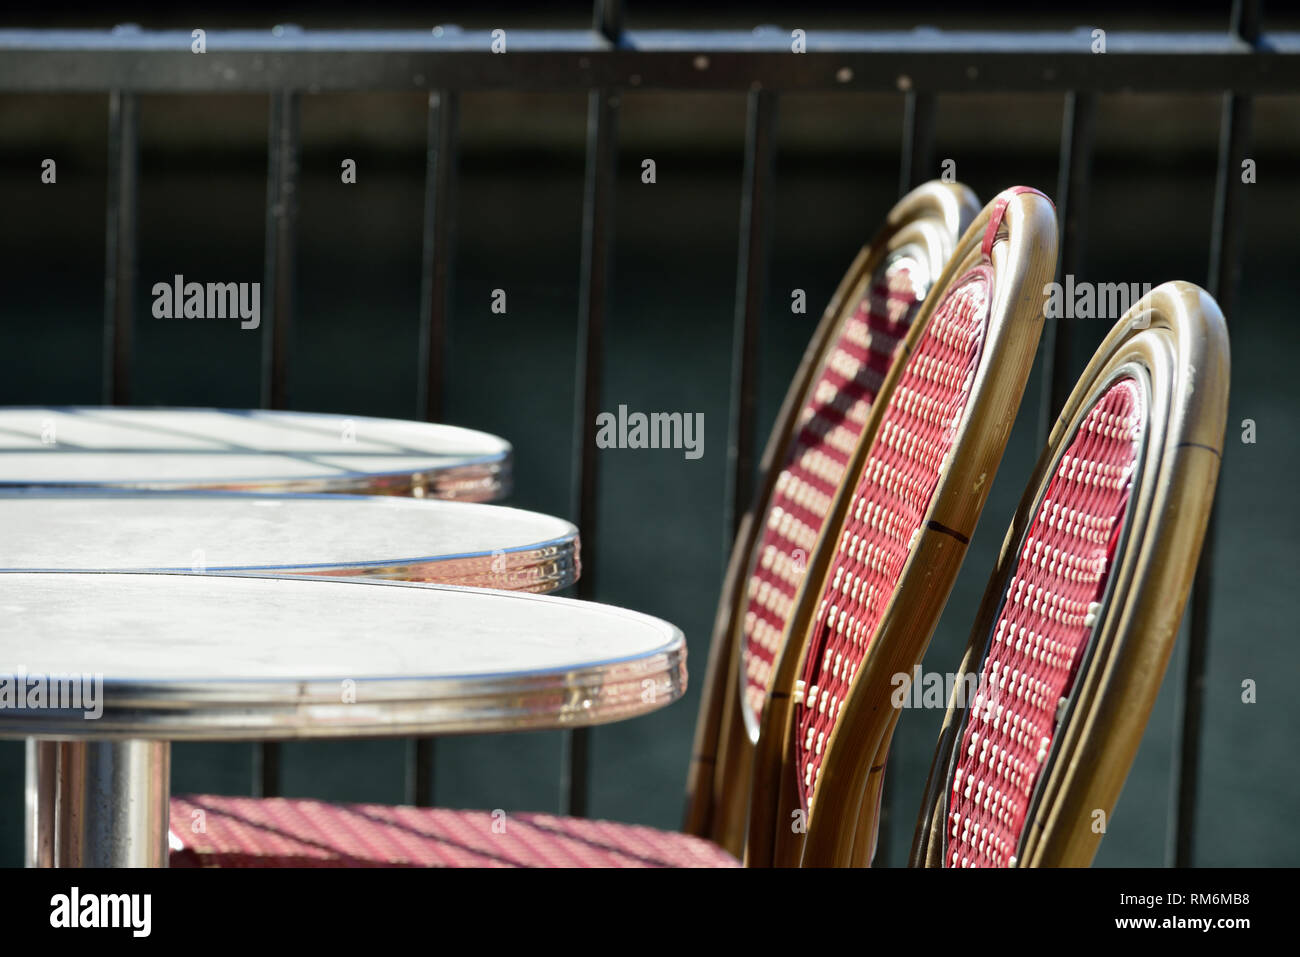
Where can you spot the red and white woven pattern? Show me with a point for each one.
(813, 466)
(209, 831)
(1048, 613)
(889, 504)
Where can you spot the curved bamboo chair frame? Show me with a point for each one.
(1020, 231)
(931, 219)
(1175, 341)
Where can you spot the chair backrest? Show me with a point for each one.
(816, 431)
(1071, 643)
(895, 538)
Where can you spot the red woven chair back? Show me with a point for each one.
(895, 538)
(889, 504)
(816, 435)
(1071, 642)
(1049, 612)
(829, 426)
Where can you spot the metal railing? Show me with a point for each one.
(287, 63)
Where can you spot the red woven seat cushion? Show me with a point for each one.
(1048, 615)
(890, 501)
(211, 831)
(813, 466)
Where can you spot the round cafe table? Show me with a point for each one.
(252, 450)
(116, 666)
(169, 449)
(453, 543)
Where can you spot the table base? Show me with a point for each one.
(97, 803)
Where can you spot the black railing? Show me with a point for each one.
(287, 63)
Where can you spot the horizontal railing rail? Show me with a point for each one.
(765, 63)
(924, 60)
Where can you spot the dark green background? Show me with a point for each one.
(669, 340)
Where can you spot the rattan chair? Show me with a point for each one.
(895, 538)
(818, 426)
(1071, 642)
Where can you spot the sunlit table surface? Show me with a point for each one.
(126, 663)
(254, 450)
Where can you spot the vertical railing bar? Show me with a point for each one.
(916, 165)
(439, 225)
(607, 19)
(281, 229)
(753, 261)
(917, 162)
(120, 244)
(1078, 131)
(435, 303)
(1224, 276)
(277, 315)
(593, 290)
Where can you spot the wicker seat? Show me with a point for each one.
(1079, 619)
(895, 538)
(210, 831)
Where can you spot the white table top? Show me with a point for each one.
(207, 657)
(454, 543)
(250, 449)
